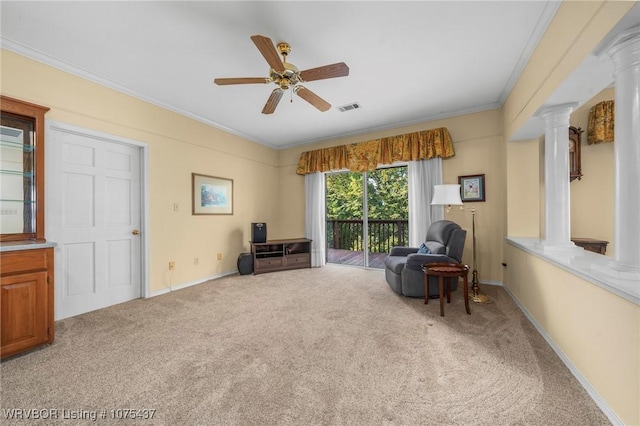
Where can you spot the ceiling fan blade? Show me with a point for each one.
(339, 69)
(273, 100)
(265, 46)
(241, 80)
(312, 98)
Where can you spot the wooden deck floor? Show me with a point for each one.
(355, 258)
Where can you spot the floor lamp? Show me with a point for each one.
(449, 195)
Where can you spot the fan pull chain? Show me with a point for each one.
(291, 92)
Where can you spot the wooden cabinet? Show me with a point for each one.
(279, 255)
(26, 259)
(22, 171)
(26, 300)
(591, 244)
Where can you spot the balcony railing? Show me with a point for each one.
(383, 234)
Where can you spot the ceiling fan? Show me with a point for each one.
(286, 75)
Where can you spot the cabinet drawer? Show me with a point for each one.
(298, 259)
(24, 260)
(269, 263)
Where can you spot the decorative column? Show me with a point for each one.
(625, 53)
(557, 215)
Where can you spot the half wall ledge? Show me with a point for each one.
(592, 267)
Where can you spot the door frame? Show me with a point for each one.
(52, 185)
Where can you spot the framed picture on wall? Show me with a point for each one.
(471, 188)
(211, 194)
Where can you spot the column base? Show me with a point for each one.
(619, 270)
(561, 247)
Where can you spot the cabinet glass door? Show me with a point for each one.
(17, 176)
(21, 170)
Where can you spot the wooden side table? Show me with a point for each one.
(448, 271)
(591, 244)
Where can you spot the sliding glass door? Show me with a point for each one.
(366, 215)
(387, 215)
(345, 216)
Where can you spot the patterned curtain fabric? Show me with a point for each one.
(366, 156)
(322, 160)
(601, 122)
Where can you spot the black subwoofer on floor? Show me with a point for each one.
(245, 263)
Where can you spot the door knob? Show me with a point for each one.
(135, 232)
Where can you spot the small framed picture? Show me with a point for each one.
(471, 188)
(211, 194)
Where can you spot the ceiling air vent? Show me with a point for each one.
(349, 107)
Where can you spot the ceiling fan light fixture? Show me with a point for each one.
(284, 49)
(290, 69)
(287, 76)
(284, 84)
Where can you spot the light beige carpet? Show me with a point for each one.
(329, 346)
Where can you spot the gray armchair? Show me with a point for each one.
(403, 266)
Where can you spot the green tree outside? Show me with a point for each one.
(387, 190)
(387, 200)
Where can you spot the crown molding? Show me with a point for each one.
(20, 49)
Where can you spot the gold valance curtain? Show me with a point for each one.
(366, 156)
(601, 122)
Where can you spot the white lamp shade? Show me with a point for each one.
(447, 194)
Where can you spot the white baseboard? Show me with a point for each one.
(600, 402)
(189, 284)
(490, 282)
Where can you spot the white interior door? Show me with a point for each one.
(94, 215)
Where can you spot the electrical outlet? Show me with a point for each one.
(172, 266)
(219, 256)
(196, 261)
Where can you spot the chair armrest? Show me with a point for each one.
(402, 251)
(416, 260)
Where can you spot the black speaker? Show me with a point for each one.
(245, 263)
(258, 232)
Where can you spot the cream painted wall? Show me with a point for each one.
(598, 331)
(575, 31)
(592, 197)
(478, 145)
(523, 188)
(178, 146)
(291, 196)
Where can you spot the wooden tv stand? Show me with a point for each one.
(279, 255)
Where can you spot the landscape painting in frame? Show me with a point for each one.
(471, 188)
(211, 194)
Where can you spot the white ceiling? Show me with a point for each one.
(409, 62)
